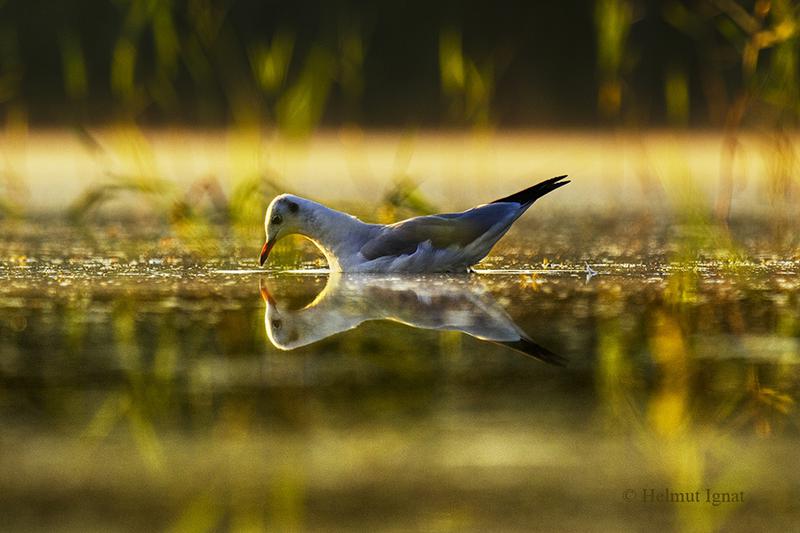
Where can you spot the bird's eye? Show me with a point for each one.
(276, 219)
(276, 324)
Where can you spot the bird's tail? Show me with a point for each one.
(527, 347)
(533, 193)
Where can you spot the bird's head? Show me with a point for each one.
(285, 216)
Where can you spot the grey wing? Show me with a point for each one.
(448, 229)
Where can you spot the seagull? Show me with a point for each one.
(448, 242)
(430, 302)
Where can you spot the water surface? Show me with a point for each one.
(144, 384)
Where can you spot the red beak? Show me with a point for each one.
(262, 287)
(265, 252)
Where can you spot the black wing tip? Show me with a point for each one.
(531, 349)
(534, 192)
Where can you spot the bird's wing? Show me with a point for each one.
(443, 231)
(452, 307)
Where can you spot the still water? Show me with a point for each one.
(615, 382)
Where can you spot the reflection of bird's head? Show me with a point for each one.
(295, 317)
(283, 330)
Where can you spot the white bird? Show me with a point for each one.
(449, 242)
(430, 302)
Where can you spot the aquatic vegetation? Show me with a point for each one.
(467, 83)
(764, 38)
(613, 19)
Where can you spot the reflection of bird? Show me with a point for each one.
(438, 303)
(449, 242)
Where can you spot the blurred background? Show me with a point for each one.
(141, 141)
(300, 66)
(377, 101)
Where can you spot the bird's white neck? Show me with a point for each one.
(336, 234)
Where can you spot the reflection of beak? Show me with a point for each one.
(262, 287)
(265, 251)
